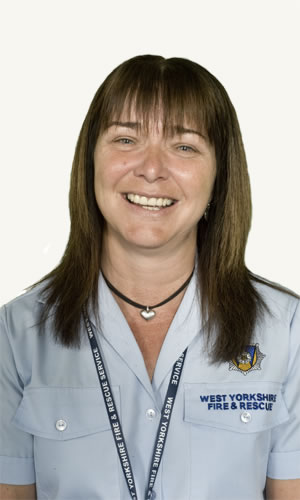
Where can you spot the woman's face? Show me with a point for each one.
(152, 190)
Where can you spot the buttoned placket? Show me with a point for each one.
(116, 332)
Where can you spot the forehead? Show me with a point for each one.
(156, 119)
(157, 127)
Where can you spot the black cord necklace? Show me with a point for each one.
(147, 312)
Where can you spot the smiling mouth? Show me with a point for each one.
(149, 203)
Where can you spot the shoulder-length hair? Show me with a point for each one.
(182, 91)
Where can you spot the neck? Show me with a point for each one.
(146, 278)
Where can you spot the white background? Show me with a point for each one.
(56, 53)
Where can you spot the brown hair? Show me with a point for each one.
(181, 90)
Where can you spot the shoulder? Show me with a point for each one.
(278, 332)
(27, 352)
(282, 303)
(22, 312)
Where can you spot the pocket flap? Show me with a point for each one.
(240, 407)
(63, 413)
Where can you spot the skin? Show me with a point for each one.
(148, 255)
(13, 492)
(278, 489)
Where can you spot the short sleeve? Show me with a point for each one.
(284, 462)
(16, 447)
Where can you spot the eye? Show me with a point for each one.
(186, 148)
(124, 140)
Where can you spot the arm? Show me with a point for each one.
(15, 443)
(283, 474)
(283, 489)
(13, 492)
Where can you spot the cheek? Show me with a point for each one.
(198, 183)
(107, 176)
(98, 183)
(103, 175)
(207, 177)
(101, 186)
(109, 170)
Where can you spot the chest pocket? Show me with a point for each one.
(74, 450)
(240, 407)
(230, 431)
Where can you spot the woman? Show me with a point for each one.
(151, 363)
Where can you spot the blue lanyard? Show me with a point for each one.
(115, 421)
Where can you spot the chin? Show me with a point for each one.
(146, 245)
(146, 241)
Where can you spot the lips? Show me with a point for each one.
(149, 203)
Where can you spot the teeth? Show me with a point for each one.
(143, 200)
(150, 203)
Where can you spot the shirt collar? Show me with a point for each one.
(183, 329)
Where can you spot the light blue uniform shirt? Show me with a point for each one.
(232, 424)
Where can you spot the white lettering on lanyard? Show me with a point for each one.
(114, 419)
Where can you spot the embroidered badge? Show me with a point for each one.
(248, 361)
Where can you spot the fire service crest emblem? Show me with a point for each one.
(248, 361)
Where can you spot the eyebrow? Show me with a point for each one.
(177, 129)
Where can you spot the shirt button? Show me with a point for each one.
(246, 417)
(150, 413)
(61, 425)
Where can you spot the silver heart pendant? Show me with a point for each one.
(147, 313)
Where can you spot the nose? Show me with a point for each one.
(153, 165)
